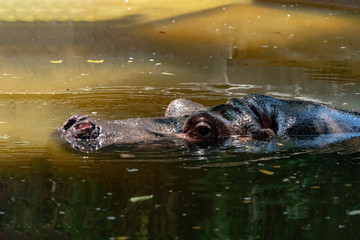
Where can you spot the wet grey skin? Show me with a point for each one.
(255, 117)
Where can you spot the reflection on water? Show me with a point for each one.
(307, 194)
(132, 62)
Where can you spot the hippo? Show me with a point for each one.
(253, 118)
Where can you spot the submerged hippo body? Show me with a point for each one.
(253, 117)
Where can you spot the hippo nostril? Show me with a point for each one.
(72, 120)
(69, 123)
(86, 130)
(84, 125)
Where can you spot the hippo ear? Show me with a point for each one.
(181, 107)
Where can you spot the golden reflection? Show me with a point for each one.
(100, 10)
(176, 46)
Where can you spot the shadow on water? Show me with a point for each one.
(133, 67)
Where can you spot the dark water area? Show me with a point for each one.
(133, 65)
(299, 195)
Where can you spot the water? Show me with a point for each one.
(121, 61)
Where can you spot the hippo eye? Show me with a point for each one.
(202, 129)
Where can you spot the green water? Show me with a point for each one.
(115, 60)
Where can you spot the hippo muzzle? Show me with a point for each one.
(201, 129)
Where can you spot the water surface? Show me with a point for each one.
(123, 60)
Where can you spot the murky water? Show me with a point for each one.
(121, 60)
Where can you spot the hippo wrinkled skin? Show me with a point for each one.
(255, 117)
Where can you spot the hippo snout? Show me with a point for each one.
(79, 127)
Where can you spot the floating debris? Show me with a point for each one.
(56, 61)
(247, 200)
(354, 212)
(95, 61)
(141, 198)
(266, 172)
(122, 238)
(167, 73)
(132, 170)
(5, 137)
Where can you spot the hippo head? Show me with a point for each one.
(192, 123)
